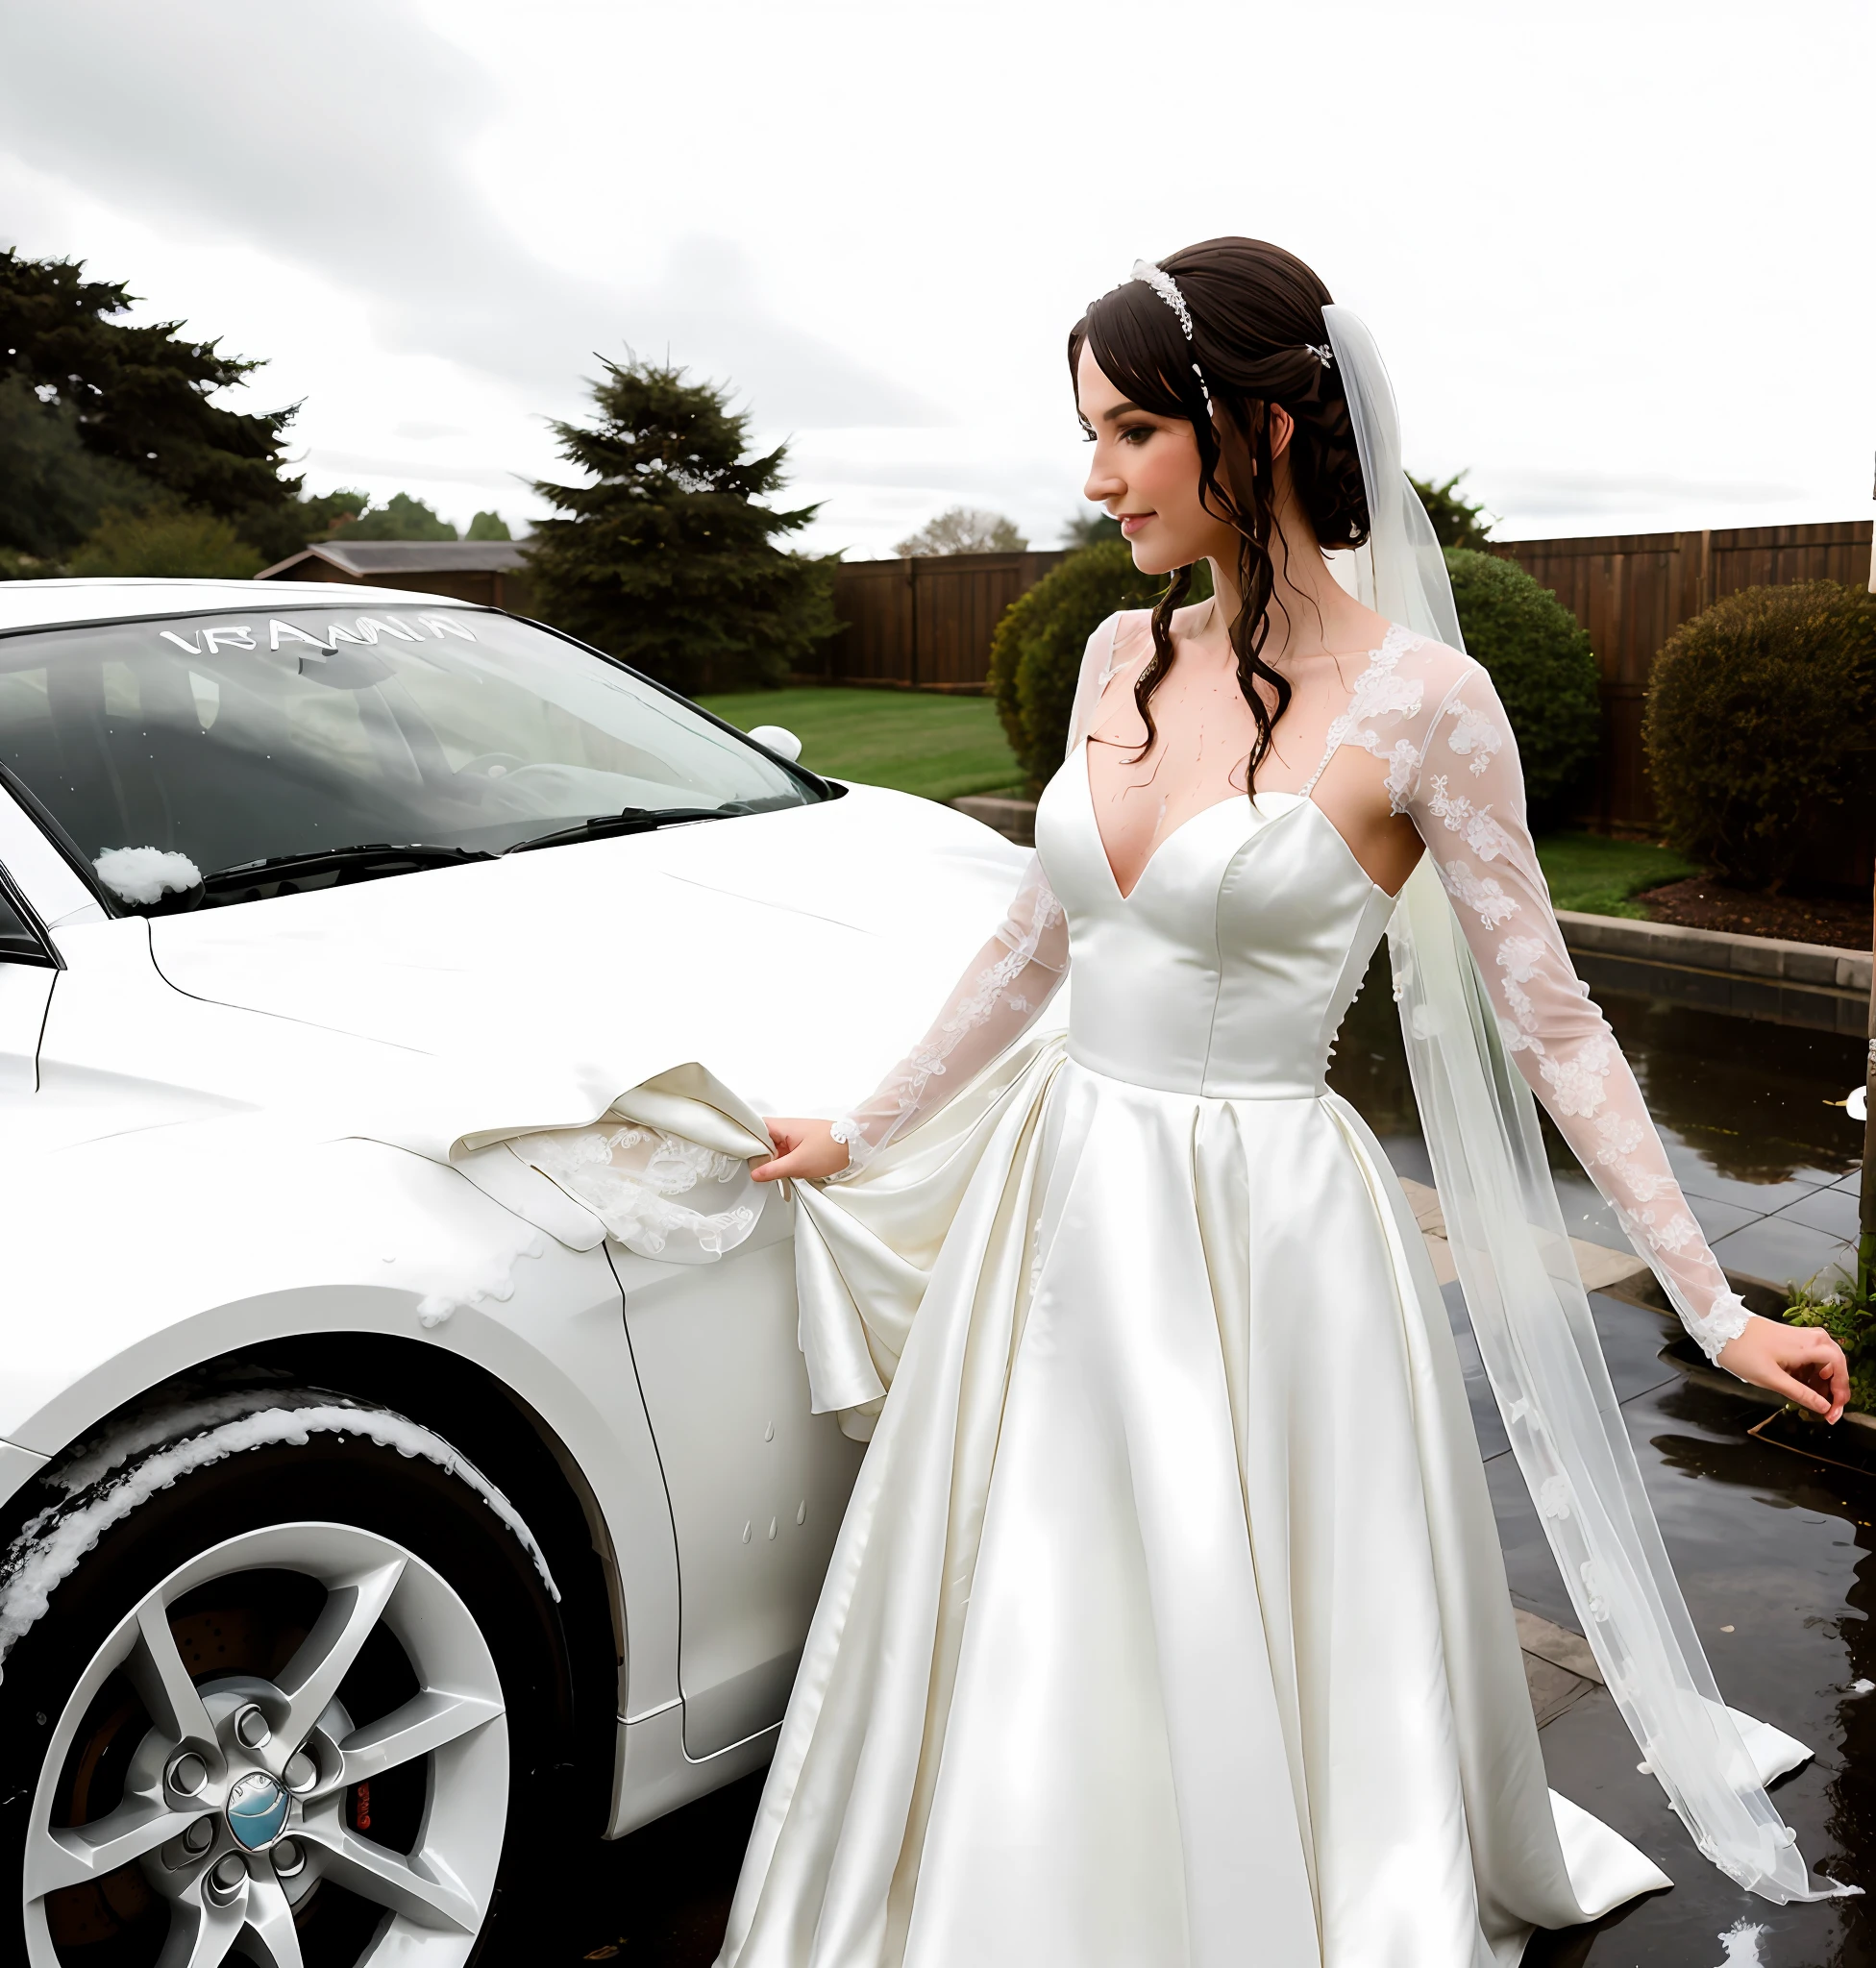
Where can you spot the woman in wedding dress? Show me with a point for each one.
(1167, 1623)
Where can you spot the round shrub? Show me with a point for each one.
(166, 540)
(1035, 656)
(1761, 725)
(1542, 666)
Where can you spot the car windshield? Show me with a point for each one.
(244, 739)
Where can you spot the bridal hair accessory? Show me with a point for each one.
(1167, 288)
(1324, 354)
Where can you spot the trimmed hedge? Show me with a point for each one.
(1035, 656)
(1761, 726)
(1542, 666)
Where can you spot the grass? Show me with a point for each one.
(942, 747)
(916, 741)
(1602, 877)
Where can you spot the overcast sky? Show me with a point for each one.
(1619, 256)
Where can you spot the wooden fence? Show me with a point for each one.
(926, 624)
(1631, 591)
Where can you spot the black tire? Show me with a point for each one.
(246, 1624)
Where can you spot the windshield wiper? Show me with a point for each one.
(634, 820)
(367, 859)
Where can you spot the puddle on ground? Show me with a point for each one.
(1776, 1555)
(1752, 1103)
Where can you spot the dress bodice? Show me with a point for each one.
(1228, 969)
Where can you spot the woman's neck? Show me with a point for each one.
(1311, 613)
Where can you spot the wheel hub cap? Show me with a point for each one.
(256, 1811)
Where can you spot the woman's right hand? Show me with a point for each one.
(805, 1149)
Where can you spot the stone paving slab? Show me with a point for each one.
(1831, 1209)
(1600, 1266)
(1780, 1251)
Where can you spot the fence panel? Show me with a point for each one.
(926, 624)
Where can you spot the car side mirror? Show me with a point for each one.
(778, 739)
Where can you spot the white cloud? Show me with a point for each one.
(1608, 250)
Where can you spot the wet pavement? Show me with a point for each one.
(1772, 1544)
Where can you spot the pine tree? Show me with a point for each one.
(665, 558)
(139, 400)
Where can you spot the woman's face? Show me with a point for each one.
(1145, 473)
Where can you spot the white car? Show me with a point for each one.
(379, 1528)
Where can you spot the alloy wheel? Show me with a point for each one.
(233, 1799)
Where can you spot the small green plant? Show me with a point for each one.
(1761, 726)
(1849, 1317)
(1542, 666)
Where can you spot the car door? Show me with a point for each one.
(757, 1481)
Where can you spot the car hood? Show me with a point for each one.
(795, 954)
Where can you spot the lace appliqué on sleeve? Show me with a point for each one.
(1000, 995)
(1481, 847)
(1383, 700)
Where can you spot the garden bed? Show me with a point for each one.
(1705, 903)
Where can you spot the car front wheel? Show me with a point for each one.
(288, 1707)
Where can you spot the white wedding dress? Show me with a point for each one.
(1168, 1624)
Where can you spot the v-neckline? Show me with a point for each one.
(1126, 894)
(1306, 794)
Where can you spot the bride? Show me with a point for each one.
(1167, 1623)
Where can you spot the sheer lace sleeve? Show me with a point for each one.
(1004, 989)
(999, 996)
(1003, 992)
(1468, 803)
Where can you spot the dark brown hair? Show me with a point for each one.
(1255, 313)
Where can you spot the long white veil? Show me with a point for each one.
(1523, 1292)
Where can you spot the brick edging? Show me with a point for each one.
(1768, 958)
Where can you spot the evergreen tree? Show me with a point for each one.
(138, 398)
(1457, 521)
(488, 526)
(665, 558)
(53, 490)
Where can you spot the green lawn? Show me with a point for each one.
(941, 747)
(916, 741)
(1602, 877)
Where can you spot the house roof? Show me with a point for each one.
(368, 559)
